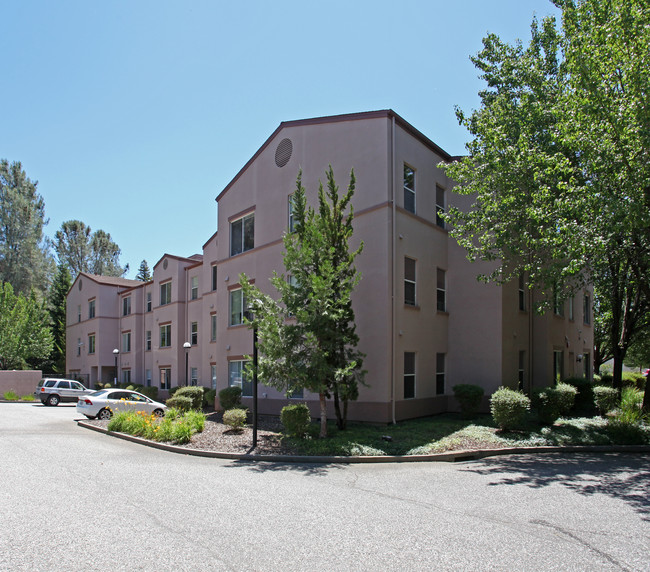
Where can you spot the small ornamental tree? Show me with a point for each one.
(307, 339)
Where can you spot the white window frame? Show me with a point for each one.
(194, 288)
(213, 327)
(237, 378)
(194, 333)
(167, 337)
(126, 306)
(126, 342)
(147, 341)
(408, 191)
(91, 344)
(440, 206)
(238, 239)
(236, 314)
(166, 293)
(441, 290)
(92, 309)
(410, 281)
(441, 373)
(410, 375)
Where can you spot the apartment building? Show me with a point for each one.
(424, 321)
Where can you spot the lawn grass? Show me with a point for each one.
(448, 432)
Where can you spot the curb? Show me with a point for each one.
(449, 457)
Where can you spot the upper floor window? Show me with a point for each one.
(147, 340)
(126, 306)
(558, 304)
(126, 342)
(440, 206)
(571, 307)
(242, 234)
(165, 293)
(194, 333)
(409, 189)
(409, 281)
(440, 374)
(237, 307)
(194, 287)
(586, 309)
(79, 313)
(409, 375)
(441, 290)
(91, 309)
(213, 327)
(522, 292)
(148, 301)
(91, 343)
(214, 277)
(166, 336)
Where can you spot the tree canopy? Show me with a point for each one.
(144, 273)
(559, 161)
(307, 338)
(56, 304)
(25, 261)
(82, 250)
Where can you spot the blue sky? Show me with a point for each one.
(133, 115)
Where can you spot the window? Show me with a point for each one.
(558, 304)
(165, 293)
(147, 377)
(242, 234)
(522, 292)
(296, 393)
(409, 375)
(409, 281)
(558, 366)
(441, 290)
(194, 333)
(148, 301)
(194, 287)
(409, 189)
(237, 377)
(237, 307)
(440, 206)
(79, 313)
(79, 344)
(126, 342)
(213, 327)
(147, 340)
(214, 277)
(126, 306)
(521, 369)
(291, 219)
(91, 310)
(166, 336)
(213, 376)
(586, 309)
(571, 304)
(165, 378)
(91, 343)
(586, 362)
(194, 376)
(126, 376)
(440, 374)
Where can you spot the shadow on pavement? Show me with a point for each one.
(622, 476)
(307, 469)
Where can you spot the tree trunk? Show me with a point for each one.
(323, 415)
(337, 410)
(617, 372)
(646, 396)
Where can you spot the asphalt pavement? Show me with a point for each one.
(73, 499)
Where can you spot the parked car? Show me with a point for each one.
(103, 403)
(52, 391)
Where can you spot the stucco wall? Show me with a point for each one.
(23, 382)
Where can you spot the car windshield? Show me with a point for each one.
(100, 392)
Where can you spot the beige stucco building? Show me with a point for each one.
(424, 321)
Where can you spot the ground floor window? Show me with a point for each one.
(165, 378)
(213, 376)
(409, 375)
(440, 374)
(194, 376)
(126, 376)
(296, 393)
(237, 377)
(147, 376)
(522, 362)
(558, 366)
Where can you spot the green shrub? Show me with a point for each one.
(196, 419)
(584, 400)
(180, 402)
(11, 395)
(606, 380)
(235, 418)
(624, 432)
(508, 408)
(633, 379)
(469, 398)
(29, 397)
(173, 390)
(150, 392)
(195, 393)
(554, 402)
(230, 398)
(208, 398)
(605, 398)
(295, 419)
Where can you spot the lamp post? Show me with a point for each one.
(116, 352)
(187, 346)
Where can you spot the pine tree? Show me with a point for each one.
(144, 273)
(57, 299)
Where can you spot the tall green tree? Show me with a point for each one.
(558, 164)
(25, 336)
(144, 273)
(307, 338)
(56, 304)
(82, 250)
(25, 259)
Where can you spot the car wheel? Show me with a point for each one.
(159, 413)
(104, 414)
(53, 400)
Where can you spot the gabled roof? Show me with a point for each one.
(386, 113)
(116, 281)
(193, 259)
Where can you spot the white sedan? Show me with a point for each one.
(103, 403)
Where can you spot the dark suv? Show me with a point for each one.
(55, 391)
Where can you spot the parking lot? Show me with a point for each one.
(73, 499)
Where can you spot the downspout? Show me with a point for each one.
(393, 272)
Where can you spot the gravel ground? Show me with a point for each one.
(219, 437)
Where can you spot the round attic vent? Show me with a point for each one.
(283, 152)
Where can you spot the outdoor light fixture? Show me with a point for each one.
(187, 346)
(116, 352)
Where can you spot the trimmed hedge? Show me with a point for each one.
(296, 419)
(180, 402)
(230, 397)
(584, 400)
(208, 398)
(150, 392)
(235, 418)
(606, 399)
(554, 402)
(509, 408)
(195, 393)
(469, 398)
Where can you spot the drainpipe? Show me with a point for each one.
(394, 274)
